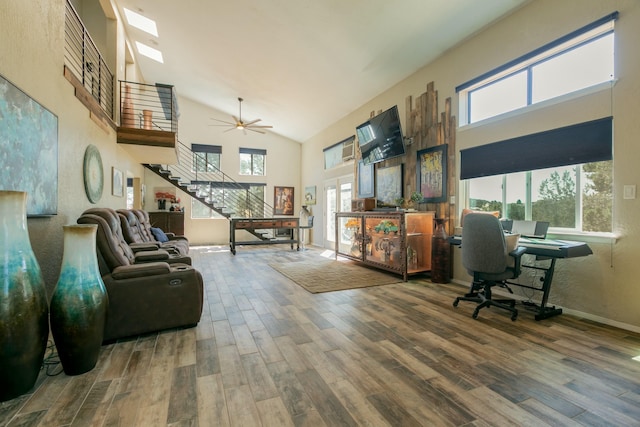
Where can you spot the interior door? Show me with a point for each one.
(338, 195)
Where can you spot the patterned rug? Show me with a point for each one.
(327, 275)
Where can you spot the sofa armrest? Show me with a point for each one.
(144, 246)
(148, 256)
(140, 270)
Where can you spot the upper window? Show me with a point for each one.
(339, 153)
(253, 161)
(577, 61)
(206, 158)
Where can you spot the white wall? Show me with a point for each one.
(283, 165)
(602, 285)
(32, 52)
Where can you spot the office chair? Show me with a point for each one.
(486, 257)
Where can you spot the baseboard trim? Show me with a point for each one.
(572, 312)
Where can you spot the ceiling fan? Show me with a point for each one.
(238, 123)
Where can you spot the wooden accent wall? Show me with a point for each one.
(428, 128)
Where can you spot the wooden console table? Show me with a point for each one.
(292, 225)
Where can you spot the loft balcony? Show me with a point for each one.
(149, 122)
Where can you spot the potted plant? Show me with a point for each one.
(415, 199)
(399, 202)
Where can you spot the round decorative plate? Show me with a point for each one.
(93, 174)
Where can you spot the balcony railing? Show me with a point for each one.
(150, 107)
(84, 61)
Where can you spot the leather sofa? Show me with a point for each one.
(145, 295)
(136, 230)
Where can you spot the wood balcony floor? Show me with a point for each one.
(268, 353)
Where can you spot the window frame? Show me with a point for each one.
(253, 152)
(529, 192)
(568, 43)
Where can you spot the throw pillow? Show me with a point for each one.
(159, 235)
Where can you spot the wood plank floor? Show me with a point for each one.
(268, 353)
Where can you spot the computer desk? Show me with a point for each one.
(544, 249)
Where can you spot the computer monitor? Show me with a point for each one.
(531, 229)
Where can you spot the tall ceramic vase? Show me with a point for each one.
(440, 253)
(79, 303)
(24, 313)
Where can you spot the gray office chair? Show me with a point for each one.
(486, 258)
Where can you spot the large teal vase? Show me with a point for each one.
(24, 313)
(79, 303)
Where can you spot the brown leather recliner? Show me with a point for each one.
(136, 235)
(180, 242)
(143, 297)
(137, 253)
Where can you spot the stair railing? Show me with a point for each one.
(214, 188)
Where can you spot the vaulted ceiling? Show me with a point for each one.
(300, 65)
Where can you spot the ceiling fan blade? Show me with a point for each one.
(261, 126)
(252, 129)
(237, 120)
(222, 121)
(230, 129)
(252, 122)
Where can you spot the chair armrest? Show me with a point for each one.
(516, 254)
(148, 256)
(144, 246)
(140, 270)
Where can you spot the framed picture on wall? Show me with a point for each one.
(432, 174)
(29, 150)
(389, 184)
(117, 182)
(283, 200)
(366, 183)
(310, 195)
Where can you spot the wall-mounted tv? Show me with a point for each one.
(380, 138)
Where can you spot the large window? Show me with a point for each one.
(253, 161)
(572, 198)
(580, 60)
(247, 201)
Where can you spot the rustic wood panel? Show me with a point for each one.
(426, 127)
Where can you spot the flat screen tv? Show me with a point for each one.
(380, 138)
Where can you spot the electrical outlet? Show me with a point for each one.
(629, 192)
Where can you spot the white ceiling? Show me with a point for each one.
(300, 65)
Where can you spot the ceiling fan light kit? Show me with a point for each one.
(238, 123)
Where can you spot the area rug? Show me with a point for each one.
(327, 275)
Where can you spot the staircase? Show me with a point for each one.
(214, 188)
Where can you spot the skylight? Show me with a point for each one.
(149, 52)
(141, 22)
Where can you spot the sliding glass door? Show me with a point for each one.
(338, 194)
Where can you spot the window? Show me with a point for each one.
(252, 161)
(243, 200)
(579, 60)
(571, 198)
(339, 153)
(206, 158)
(562, 175)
